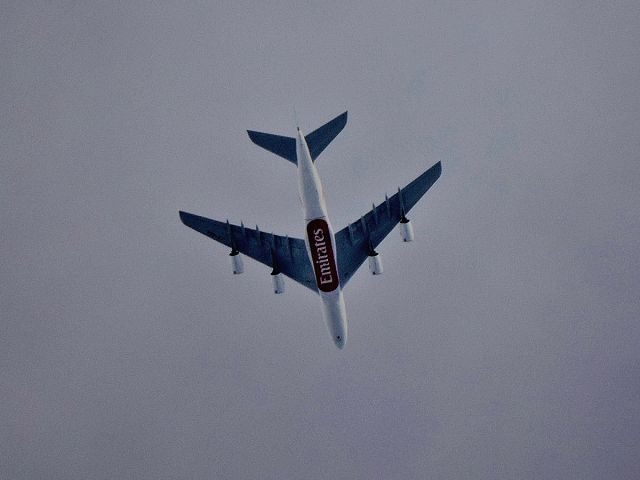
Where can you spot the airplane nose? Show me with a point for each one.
(340, 341)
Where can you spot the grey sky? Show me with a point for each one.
(502, 343)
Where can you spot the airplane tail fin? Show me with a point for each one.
(317, 140)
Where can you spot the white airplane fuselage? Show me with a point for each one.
(320, 243)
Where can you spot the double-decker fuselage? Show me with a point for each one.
(320, 243)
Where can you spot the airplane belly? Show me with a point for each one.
(335, 316)
(321, 247)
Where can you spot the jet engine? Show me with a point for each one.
(406, 230)
(237, 265)
(278, 282)
(375, 264)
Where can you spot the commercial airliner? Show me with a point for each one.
(322, 262)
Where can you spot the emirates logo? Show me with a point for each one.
(323, 258)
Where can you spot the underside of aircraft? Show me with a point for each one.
(323, 262)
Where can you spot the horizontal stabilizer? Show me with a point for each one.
(319, 139)
(284, 147)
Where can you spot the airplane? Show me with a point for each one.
(322, 262)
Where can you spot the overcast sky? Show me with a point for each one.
(503, 343)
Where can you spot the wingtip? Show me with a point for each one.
(255, 137)
(436, 168)
(184, 216)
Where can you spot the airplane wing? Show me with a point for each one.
(355, 240)
(284, 254)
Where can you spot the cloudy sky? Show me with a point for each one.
(503, 343)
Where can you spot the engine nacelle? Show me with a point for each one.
(278, 282)
(237, 264)
(375, 264)
(406, 230)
